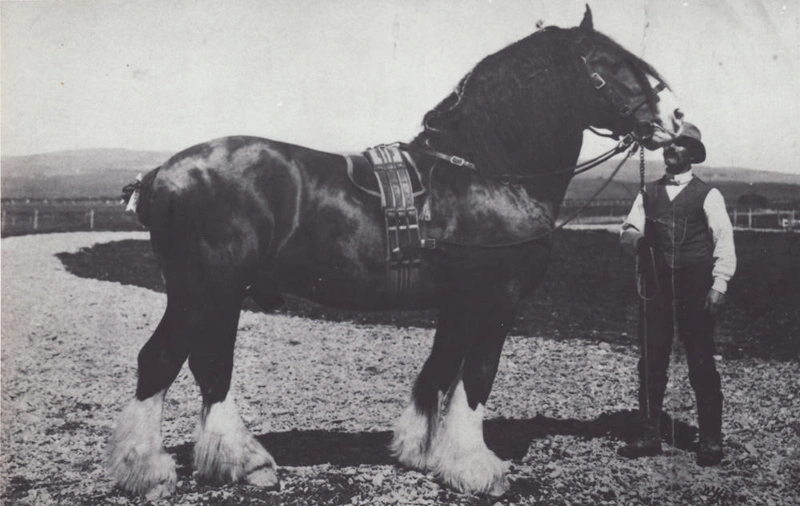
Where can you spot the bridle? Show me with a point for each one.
(624, 107)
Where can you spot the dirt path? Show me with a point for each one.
(322, 397)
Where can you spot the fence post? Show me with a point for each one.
(36, 219)
(735, 216)
(750, 218)
(91, 219)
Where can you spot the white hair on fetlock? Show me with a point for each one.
(226, 452)
(459, 456)
(412, 437)
(137, 461)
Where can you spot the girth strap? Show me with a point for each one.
(403, 241)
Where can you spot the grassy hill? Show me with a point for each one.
(85, 173)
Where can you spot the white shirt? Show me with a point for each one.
(719, 225)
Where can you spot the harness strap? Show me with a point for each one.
(580, 168)
(452, 159)
(403, 241)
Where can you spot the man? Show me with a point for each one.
(681, 233)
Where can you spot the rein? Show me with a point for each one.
(580, 168)
(597, 192)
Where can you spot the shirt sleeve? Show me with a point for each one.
(633, 226)
(719, 224)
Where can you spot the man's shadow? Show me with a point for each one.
(509, 438)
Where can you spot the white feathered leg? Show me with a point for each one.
(137, 461)
(226, 452)
(459, 456)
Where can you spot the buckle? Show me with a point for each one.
(428, 243)
(457, 161)
(597, 81)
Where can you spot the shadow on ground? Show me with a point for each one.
(509, 438)
(585, 295)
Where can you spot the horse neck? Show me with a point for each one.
(542, 150)
(510, 131)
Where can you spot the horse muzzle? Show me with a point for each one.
(651, 135)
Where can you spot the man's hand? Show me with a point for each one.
(714, 301)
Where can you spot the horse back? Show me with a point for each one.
(276, 217)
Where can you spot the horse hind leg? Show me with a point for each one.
(137, 461)
(225, 451)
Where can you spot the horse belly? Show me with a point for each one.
(358, 283)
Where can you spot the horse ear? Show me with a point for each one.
(586, 24)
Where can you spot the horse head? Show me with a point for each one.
(627, 89)
(523, 109)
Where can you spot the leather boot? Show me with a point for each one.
(646, 443)
(709, 452)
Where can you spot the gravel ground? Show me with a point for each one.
(322, 397)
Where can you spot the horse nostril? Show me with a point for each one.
(643, 130)
(678, 114)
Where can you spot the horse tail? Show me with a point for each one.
(137, 196)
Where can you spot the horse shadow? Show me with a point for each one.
(510, 439)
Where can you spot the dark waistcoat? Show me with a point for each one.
(679, 229)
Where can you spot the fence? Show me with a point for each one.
(782, 215)
(38, 216)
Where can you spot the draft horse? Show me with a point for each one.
(245, 217)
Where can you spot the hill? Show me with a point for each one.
(100, 173)
(85, 173)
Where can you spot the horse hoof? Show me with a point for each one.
(499, 487)
(151, 475)
(159, 491)
(264, 477)
(479, 472)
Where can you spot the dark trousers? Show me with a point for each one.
(677, 309)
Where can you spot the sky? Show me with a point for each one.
(342, 75)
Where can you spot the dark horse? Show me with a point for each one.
(245, 217)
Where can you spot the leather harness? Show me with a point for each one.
(396, 189)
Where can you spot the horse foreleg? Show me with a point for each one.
(459, 455)
(416, 428)
(137, 461)
(225, 450)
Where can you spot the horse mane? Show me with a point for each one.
(518, 103)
